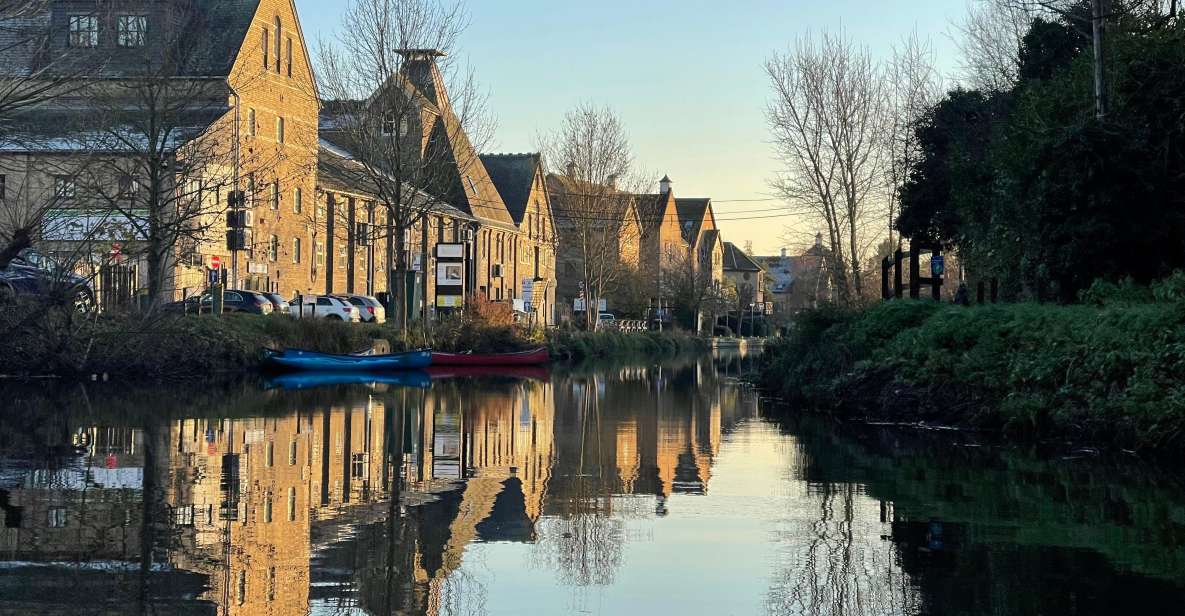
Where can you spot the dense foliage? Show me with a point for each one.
(1033, 188)
(1110, 370)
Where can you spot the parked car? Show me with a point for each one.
(233, 301)
(606, 321)
(369, 308)
(31, 274)
(279, 304)
(323, 307)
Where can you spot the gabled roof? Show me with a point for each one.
(514, 177)
(654, 209)
(735, 260)
(691, 217)
(205, 42)
(565, 192)
(339, 171)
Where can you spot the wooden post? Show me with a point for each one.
(935, 279)
(885, 278)
(981, 288)
(915, 273)
(898, 257)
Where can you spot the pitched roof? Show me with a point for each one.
(735, 260)
(514, 176)
(339, 171)
(653, 209)
(204, 42)
(691, 217)
(565, 193)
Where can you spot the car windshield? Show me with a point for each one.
(38, 260)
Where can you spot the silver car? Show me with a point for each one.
(370, 308)
(323, 307)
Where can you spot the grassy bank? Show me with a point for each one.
(64, 344)
(1111, 372)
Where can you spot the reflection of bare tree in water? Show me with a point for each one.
(844, 568)
(584, 544)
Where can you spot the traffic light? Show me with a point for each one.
(236, 199)
(240, 219)
(238, 239)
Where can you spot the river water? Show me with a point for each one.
(669, 489)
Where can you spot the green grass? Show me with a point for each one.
(1110, 372)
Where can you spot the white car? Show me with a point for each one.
(323, 307)
(370, 308)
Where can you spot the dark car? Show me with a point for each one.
(233, 301)
(31, 274)
(279, 304)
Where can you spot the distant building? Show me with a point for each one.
(745, 274)
(800, 282)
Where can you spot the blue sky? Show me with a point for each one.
(685, 76)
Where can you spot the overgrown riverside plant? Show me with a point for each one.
(1109, 373)
(37, 341)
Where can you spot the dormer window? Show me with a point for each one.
(84, 31)
(132, 30)
(390, 124)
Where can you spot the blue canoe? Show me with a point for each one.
(311, 361)
(300, 381)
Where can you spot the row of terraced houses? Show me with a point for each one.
(267, 132)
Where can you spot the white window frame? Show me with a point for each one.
(131, 31)
(75, 31)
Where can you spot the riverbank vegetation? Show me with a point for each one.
(36, 341)
(1108, 370)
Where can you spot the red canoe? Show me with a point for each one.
(525, 358)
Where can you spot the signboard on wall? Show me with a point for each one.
(450, 251)
(450, 274)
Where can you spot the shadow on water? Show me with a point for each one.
(605, 488)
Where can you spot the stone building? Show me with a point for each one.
(745, 275)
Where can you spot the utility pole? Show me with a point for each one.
(1098, 16)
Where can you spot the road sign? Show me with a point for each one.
(212, 277)
(937, 266)
(215, 262)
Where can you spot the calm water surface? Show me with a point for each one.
(665, 489)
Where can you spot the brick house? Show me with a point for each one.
(521, 180)
(242, 113)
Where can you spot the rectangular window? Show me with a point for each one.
(358, 465)
(292, 453)
(319, 247)
(127, 186)
(57, 517)
(343, 257)
(289, 51)
(267, 48)
(132, 30)
(241, 591)
(250, 196)
(84, 31)
(3, 186)
(64, 187)
(296, 250)
(273, 249)
(275, 197)
(267, 508)
(280, 130)
(251, 125)
(271, 583)
(271, 455)
(291, 504)
(297, 200)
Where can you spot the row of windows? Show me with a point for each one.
(130, 30)
(271, 61)
(253, 126)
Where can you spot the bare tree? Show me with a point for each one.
(913, 87)
(689, 284)
(827, 118)
(411, 118)
(596, 213)
(989, 39)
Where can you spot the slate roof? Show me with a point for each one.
(205, 42)
(562, 187)
(652, 210)
(514, 176)
(337, 170)
(691, 217)
(735, 260)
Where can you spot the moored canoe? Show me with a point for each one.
(312, 361)
(534, 357)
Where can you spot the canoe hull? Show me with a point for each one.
(536, 357)
(299, 381)
(310, 361)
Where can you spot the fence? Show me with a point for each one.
(117, 288)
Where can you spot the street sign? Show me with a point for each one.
(528, 290)
(937, 266)
(212, 277)
(215, 262)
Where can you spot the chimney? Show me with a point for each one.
(664, 185)
(571, 170)
(819, 240)
(611, 181)
(783, 253)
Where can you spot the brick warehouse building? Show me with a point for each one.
(248, 119)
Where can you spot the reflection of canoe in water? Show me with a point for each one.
(311, 361)
(312, 380)
(538, 373)
(534, 357)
